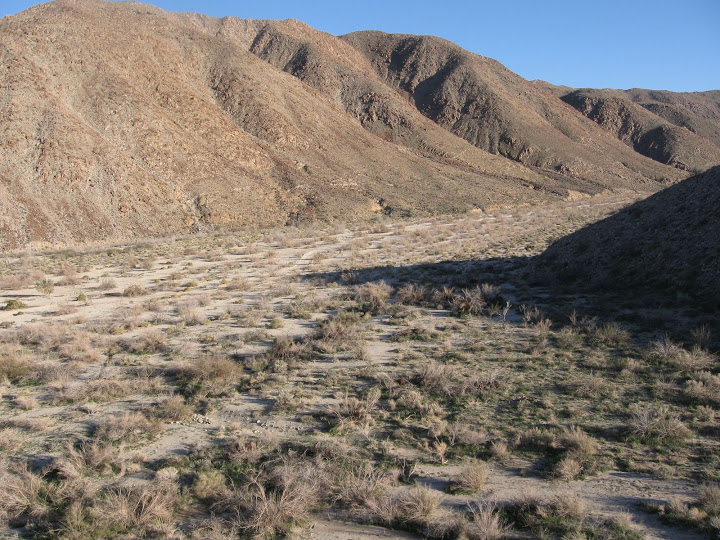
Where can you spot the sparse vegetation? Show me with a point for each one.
(400, 395)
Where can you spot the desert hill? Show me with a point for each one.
(121, 120)
(664, 245)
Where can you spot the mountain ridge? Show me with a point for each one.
(120, 120)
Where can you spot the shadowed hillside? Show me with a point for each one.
(666, 245)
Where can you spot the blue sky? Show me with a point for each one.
(658, 44)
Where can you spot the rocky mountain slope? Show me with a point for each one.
(665, 245)
(121, 120)
(682, 130)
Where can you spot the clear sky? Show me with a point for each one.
(656, 44)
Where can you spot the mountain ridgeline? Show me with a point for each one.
(121, 120)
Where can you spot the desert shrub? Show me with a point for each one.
(702, 387)
(209, 376)
(568, 338)
(173, 408)
(666, 353)
(30, 501)
(107, 284)
(657, 425)
(443, 298)
(472, 478)
(373, 297)
(352, 410)
(69, 276)
(436, 377)
(149, 342)
(17, 281)
(191, 316)
(303, 306)
(485, 522)
(562, 514)
(96, 390)
(142, 509)
(609, 334)
(593, 386)
(415, 333)
(88, 457)
(418, 504)
(273, 503)
(468, 302)
(210, 485)
(568, 468)
(126, 428)
(341, 332)
(135, 290)
(45, 286)
(709, 499)
(286, 353)
(14, 304)
(238, 284)
(411, 294)
(359, 484)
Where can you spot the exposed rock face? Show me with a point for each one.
(683, 135)
(481, 101)
(667, 244)
(120, 120)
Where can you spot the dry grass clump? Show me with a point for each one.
(268, 498)
(11, 439)
(210, 485)
(703, 387)
(45, 286)
(68, 277)
(609, 334)
(358, 484)
(149, 342)
(22, 369)
(286, 354)
(94, 390)
(412, 294)
(208, 376)
(666, 353)
(353, 411)
(562, 515)
(304, 305)
(341, 332)
(657, 424)
(485, 522)
(75, 507)
(144, 510)
(173, 408)
(191, 315)
(373, 297)
(90, 457)
(81, 348)
(19, 281)
(702, 513)
(13, 304)
(471, 479)
(107, 284)
(574, 454)
(135, 290)
(130, 427)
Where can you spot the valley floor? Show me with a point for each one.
(397, 380)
